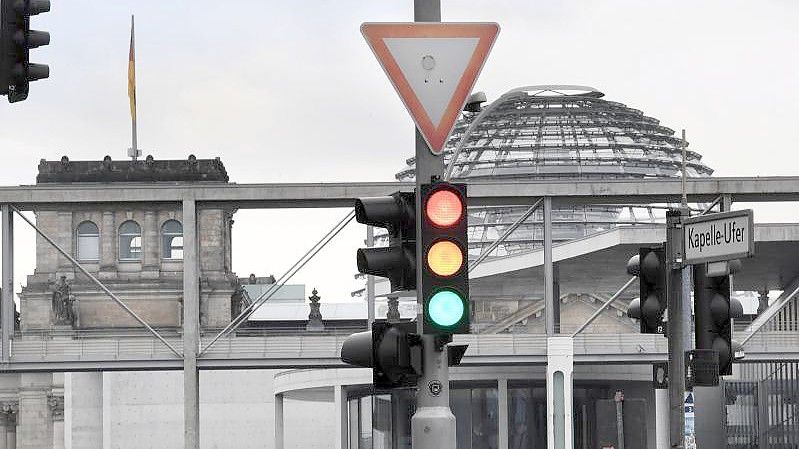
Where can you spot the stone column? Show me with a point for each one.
(35, 422)
(64, 236)
(3, 430)
(83, 410)
(11, 427)
(151, 246)
(56, 404)
(108, 245)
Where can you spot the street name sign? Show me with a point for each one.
(433, 67)
(721, 236)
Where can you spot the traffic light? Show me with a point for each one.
(397, 261)
(650, 267)
(445, 278)
(16, 39)
(393, 351)
(713, 313)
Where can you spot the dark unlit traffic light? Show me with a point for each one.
(397, 261)
(714, 309)
(16, 40)
(650, 267)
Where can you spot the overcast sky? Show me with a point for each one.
(289, 91)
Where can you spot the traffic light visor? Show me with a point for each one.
(444, 208)
(445, 258)
(445, 309)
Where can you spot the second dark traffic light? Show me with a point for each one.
(650, 267)
(714, 309)
(16, 40)
(397, 261)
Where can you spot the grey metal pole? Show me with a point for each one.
(7, 302)
(191, 327)
(370, 282)
(433, 424)
(550, 308)
(676, 322)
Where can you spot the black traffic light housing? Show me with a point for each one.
(397, 261)
(714, 309)
(650, 267)
(455, 285)
(392, 350)
(16, 40)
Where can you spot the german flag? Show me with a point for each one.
(132, 73)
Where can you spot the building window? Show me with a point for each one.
(172, 240)
(88, 241)
(130, 241)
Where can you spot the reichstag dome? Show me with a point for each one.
(565, 132)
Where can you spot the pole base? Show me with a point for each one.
(433, 428)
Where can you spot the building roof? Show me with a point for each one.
(147, 170)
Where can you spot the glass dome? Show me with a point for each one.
(563, 132)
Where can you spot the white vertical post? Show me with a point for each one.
(191, 327)
(661, 418)
(7, 300)
(342, 421)
(279, 441)
(560, 369)
(502, 413)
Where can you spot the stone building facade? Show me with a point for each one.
(135, 250)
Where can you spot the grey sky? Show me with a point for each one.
(288, 91)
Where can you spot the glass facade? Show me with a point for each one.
(763, 406)
(384, 421)
(558, 132)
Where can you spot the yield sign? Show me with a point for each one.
(433, 67)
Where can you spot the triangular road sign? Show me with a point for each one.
(433, 67)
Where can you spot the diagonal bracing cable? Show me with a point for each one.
(265, 296)
(505, 235)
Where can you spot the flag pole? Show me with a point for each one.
(134, 150)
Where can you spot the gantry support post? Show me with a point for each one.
(551, 307)
(191, 326)
(7, 302)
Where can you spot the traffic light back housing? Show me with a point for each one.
(392, 350)
(397, 261)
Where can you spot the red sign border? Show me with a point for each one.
(486, 32)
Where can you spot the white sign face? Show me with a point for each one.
(715, 237)
(433, 67)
